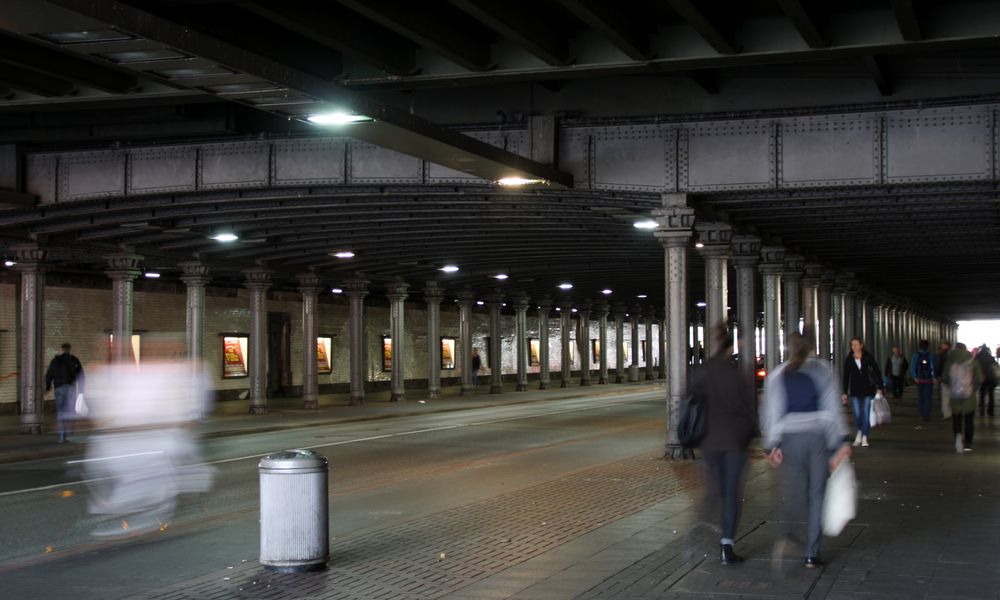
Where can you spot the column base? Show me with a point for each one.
(619, 379)
(356, 401)
(258, 409)
(31, 429)
(543, 385)
(650, 377)
(310, 404)
(467, 391)
(433, 394)
(678, 452)
(584, 382)
(496, 389)
(521, 387)
(602, 381)
(563, 384)
(397, 397)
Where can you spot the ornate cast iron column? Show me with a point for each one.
(565, 322)
(258, 282)
(356, 289)
(494, 301)
(649, 314)
(123, 268)
(618, 314)
(716, 239)
(824, 312)
(465, 299)
(745, 255)
(194, 274)
(521, 340)
(601, 311)
(772, 263)
(397, 292)
(31, 336)
(433, 295)
(583, 340)
(791, 279)
(635, 314)
(309, 287)
(544, 308)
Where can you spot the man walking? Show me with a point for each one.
(895, 370)
(986, 390)
(66, 373)
(923, 369)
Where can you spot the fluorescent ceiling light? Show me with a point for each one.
(701, 305)
(606, 292)
(225, 237)
(515, 181)
(337, 118)
(151, 275)
(572, 310)
(699, 245)
(344, 254)
(480, 303)
(9, 263)
(642, 296)
(645, 224)
(565, 286)
(448, 268)
(500, 276)
(336, 290)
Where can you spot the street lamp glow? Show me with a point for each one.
(225, 237)
(337, 118)
(516, 181)
(645, 224)
(449, 268)
(565, 286)
(344, 254)
(606, 292)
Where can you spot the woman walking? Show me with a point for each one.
(862, 379)
(804, 435)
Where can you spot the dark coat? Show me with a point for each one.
(732, 405)
(864, 381)
(65, 369)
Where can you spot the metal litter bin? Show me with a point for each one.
(294, 521)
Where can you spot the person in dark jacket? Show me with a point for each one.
(924, 369)
(895, 372)
(862, 379)
(986, 394)
(731, 406)
(66, 373)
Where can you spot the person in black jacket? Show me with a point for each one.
(66, 373)
(862, 379)
(731, 406)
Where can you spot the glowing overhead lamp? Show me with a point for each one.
(337, 118)
(645, 224)
(343, 254)
(518, 181)
(701, 304)
(642, 296)
(225, 237)
(565, 286)
(699, 245)
(336, 290)
(151, 275)
(9, 263)
(606, 292)
(500, 276)
(480, 303)
(449, 268)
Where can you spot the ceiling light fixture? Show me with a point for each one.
(701, 305)
(516, 181)
(225, 237)
(500, 276)
(565, 286)
(480, 303)
(645, 224)
(449, 268)
(151, 275)
(699, 245)
(9, 263)
(344, 254)
(642, 296)
(337, 118)
(606, 292)
(336, 290)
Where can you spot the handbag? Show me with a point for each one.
(840, 503)
(693, 423)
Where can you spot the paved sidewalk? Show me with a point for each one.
(233, 418)
(632, 529)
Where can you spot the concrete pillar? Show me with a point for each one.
(662, 320)
(397, 292)
(635, 314)
(356, 289)
(521, 304)
(122, 269)
(745, 254)
(309, 287)
(583, 340)
(811, 278)
(791, 279)
(649, 314)
(258, 282)
(601, 312)
(824, 312)
(31, 336)
(494, 301)
(675, 221)
(771, 266)
(544, 308)
(194, 274)
(465, 299)
(433, 295)
(716, 238)
(618, 314)
(565, 322)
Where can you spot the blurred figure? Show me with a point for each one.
(986, 390)
(144, 453)
(939, 367)
(895, 370)
(731, 409)
(66, 373)
(924, 369)
(861, 380)
(962, 378)
(477, 363)
(804, 436)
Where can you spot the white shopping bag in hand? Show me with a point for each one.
(840, 504)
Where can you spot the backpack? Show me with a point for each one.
(923, 369)
(960, 379)
(693, 423)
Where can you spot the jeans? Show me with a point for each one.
(725, 471)
(803, 472)
(897, 386)
(862, 409)
(924, 393)
(956, 426)
(65, 409)
(986, 399)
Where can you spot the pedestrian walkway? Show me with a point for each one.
(632, 529)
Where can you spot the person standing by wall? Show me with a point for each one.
(804, 435)
(66, 373)
(962, 377)
(861, 381)
(477, 363)
(987, 365)
(895, 370)
(923, 370)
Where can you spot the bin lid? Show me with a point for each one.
(293, 460)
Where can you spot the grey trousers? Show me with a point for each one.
(804, 471)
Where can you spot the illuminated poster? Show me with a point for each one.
(134, 350)
(626, 353)
(386, 353)
(447, 353)
(323, 357)
(595, 350)
(534, 352)
(234, 356)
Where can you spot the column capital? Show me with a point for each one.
(122, 266)
(649, 313)
(794, 264)
(521, 302)
(813, 274)
(618, 310)
(258, 278)
(772, 260)
(601, 309)
(466, 296)
(584, 308)
(828, 280)
(194, 273)
(494, 299)
(545, 304)
(356, 287)
(397, 290)
(433, 293)
(565, 306)
(716, 237)
(744, 250)
(309, 283)
(29, 254)
(675, 220)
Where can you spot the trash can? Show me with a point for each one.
(294, 523)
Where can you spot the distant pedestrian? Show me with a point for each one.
(65, 373)
(803, 435)
(895, 371)
(861, 381)
(962, 377)
(939, 366)
(987, 364)
(924, 371)
(477, 363)
(731, 407)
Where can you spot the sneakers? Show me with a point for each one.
(958, 443)
(864, 441)
(857, 439)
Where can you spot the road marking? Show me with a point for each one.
(352, 441)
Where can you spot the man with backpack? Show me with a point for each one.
(923, 373)
(962, 379)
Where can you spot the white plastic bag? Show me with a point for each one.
(840, 504)
(81, 406)
(880, 413)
